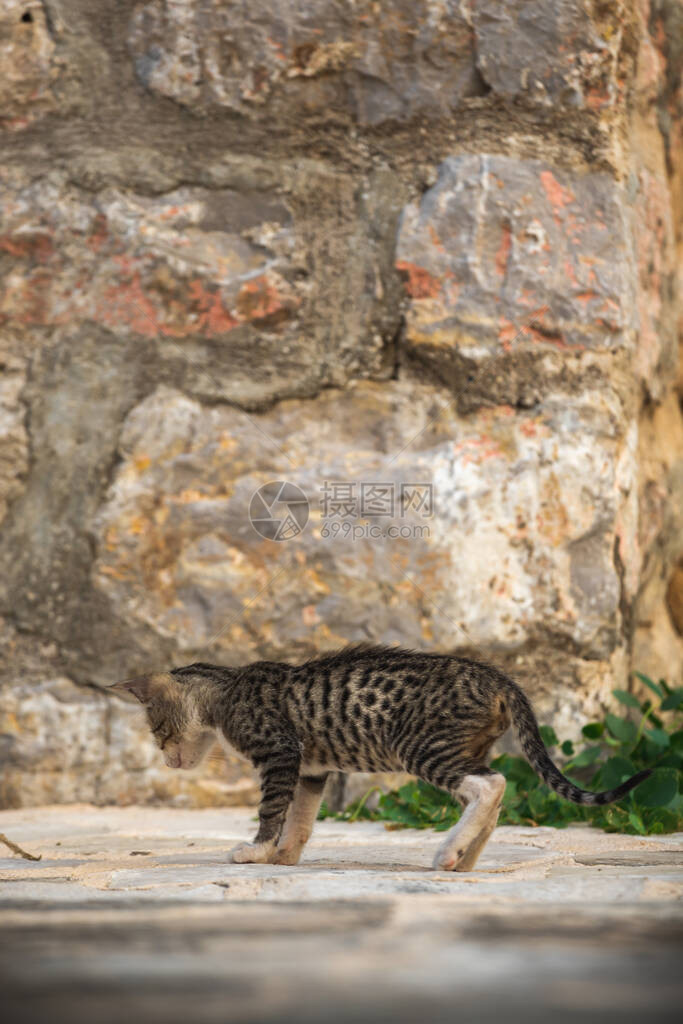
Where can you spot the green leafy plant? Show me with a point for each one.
(647, 735)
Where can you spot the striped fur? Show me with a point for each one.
(526, 727)
(365, 708)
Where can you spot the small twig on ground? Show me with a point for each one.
(18, 849)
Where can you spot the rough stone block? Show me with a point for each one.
(27, 64)
(325, 60)
(516, 548)
(174, 269)
(504, 256)
(245, 273)
(53, 725)
(657, 268)
(566, 53)
(13, 434)
(674, 598)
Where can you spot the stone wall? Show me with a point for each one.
(419, 244)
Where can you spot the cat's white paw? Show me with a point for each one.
(449, 857)
(444, 863)
(252, 853)
(287, 855)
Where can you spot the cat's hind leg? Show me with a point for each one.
(300, 818)
(480, 792)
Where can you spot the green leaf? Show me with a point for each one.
(510, 816)
(537, 803)
(594, 730)
(567, 748)
(670, 759)
(656, 689)
(676, 741)
(587, 756)
(323, 812)
(658, 736)
(621, 728)
(654, 719)
(516, 769)
(613, 818)
(677, 804)
(510, 795)
(674, 702)
(659, 789)
(627, 698)
(548, 735)
(637, 823)
(610, 741)
(615, 771)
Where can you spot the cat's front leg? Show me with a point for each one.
(279, 767)
(301, 818)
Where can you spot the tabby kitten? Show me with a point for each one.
(364, 708)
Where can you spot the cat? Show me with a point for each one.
(364, 708)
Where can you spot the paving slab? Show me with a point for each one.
(138, 912)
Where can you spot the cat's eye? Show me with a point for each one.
(162, 734)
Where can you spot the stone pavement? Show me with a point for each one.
(135, 914)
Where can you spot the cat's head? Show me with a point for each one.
(173, 715)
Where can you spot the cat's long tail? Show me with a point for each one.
(526, 726)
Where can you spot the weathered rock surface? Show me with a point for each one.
(567, 53)
(327, 60)
(505, 261)
(570, 923)
(674, 598)
(370, 245)
(178, 552)
(240, 273)
(13, 434)
(28, 64)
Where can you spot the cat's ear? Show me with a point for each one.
(143, 688)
